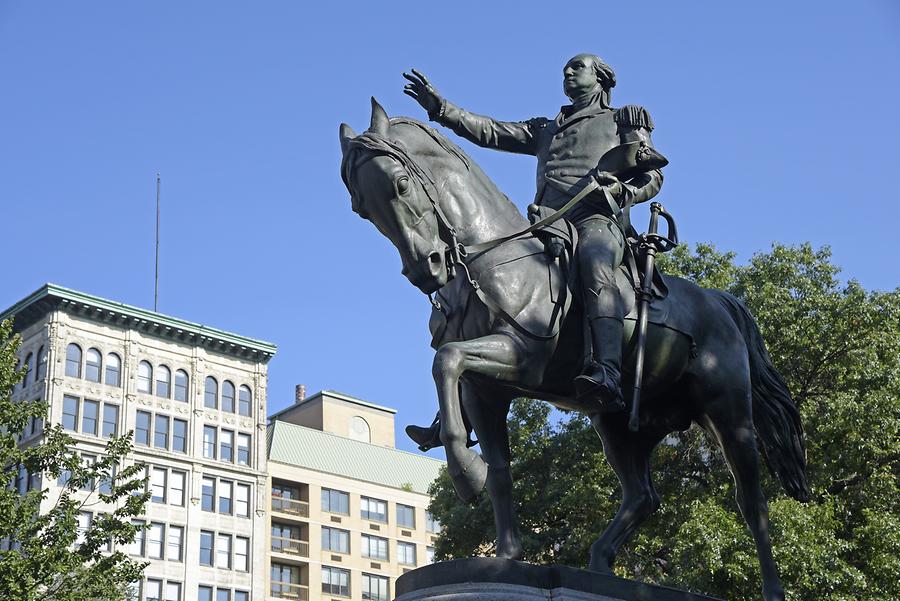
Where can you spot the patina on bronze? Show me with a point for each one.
(506, 325)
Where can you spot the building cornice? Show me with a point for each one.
(51, 297)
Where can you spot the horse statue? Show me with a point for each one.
(506, 323)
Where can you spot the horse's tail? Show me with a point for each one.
(775, 415)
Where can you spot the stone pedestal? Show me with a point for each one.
(493, 579)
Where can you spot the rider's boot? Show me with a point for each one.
(430, 437)
(601, 379)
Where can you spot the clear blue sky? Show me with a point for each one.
(781, 121)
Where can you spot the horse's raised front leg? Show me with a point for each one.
(497, 356)
(488, 418)
(628, 453)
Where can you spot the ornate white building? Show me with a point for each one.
(195, 398)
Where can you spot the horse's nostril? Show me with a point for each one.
(435, 258)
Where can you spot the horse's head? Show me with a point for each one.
(395, 193)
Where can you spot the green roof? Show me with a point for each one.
(291, 444)
(50, 297)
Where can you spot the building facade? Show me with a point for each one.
(195, 398)
(348, 510)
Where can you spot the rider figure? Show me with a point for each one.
(568, 149)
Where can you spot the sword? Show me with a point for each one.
(651, 243)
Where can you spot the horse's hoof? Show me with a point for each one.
(470, 479)
(601, 563)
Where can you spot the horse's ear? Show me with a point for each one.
(347, 134)
(380, 120)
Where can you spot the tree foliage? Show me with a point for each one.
(838, 347)
(46, 557)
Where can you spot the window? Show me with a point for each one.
(226, 446)
(107, 483)
(175, 543)
(431, 523)
(335, 501)
(243, 449)
(163, 381)
(206, 548)
(41, 361)
(225, 489)
(161, 434)
(406, 516)
(156, 537)
(373, 509)
(70, 413)
(208, 494)
(335, 581)
(142, 429)
(173, 591)
(245, 401)
(406, 553)
(283, 537)
(209, 442)
(375, 587)
(153, 590)
(374, 547)
(179, 435)
(73, 361)
(223, 551)
(227, 396)
(204, 593)
(241, 554)
(110, 420)
(429, 554)
(90, 413)
(113, 369)
(241, 596)
(285, 581)
(93, 365)
(223, 594)
(211, 393)
(88, 461)
(145, 377)
(28, 365)
(242, 501)
(335, 539)
(158, 485)
(181, 385)
(137, 545)
(176, 488)
(84, 524)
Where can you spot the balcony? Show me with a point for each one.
(289, 590)
(290, 546)
(290, 506)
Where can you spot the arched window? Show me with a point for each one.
(181, 385)
(29, 364)
(163, 381)
(41, 362)
(245, 401)
(227, 396)
(73, 361)
(211, 393)
(145, 377)
(359, 429)
(92, 364)
(113, 369)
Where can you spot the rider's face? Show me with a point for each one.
(579, 77)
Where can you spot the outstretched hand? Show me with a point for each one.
(422, 91)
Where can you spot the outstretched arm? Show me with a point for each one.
(511, 136)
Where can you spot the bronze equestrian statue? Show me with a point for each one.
(508, 313)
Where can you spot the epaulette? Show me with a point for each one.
(537, 122)
(634, 116)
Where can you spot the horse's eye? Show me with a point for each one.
(403, 185)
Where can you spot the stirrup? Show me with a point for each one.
(598, 386)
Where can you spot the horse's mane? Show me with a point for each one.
(397, 145)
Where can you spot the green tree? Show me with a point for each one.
(47, 557)
(838, 347)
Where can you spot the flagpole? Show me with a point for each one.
(156, 273)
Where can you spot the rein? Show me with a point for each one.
(456, 253)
